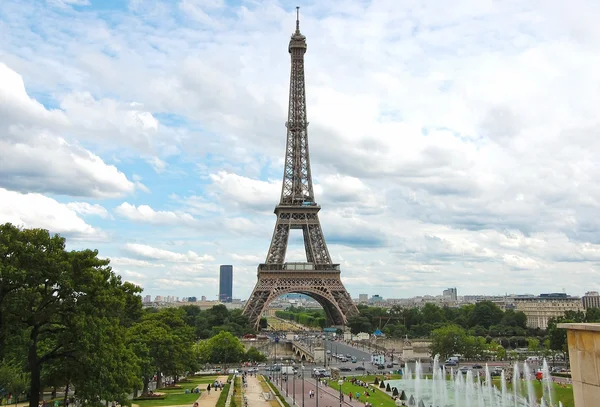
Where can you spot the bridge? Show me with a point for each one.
(305, 353)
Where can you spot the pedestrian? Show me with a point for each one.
(208, 388)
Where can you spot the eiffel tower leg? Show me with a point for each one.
(316, 244)
(279, 243)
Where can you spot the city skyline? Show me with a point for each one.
(452, 146)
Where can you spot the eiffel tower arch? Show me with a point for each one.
(318, 277)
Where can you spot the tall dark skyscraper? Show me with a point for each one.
(226, 283)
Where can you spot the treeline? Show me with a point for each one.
(67, 320)
(310, 318)
(482, 319)
(453, 339)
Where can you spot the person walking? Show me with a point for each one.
(208, 388)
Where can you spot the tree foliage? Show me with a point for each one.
(64, 307)
(66, 319)
(221, 348)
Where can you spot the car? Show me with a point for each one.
(464, 369)
(261, 365)
(380, 367)
(253, 369)
(345, 369)
(477, 367)
(359, 368)
(389, 365)
(353, 360)
(451, 364)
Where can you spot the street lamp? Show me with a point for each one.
(318, 381)
(340, 382)
(302, 385)
(287, 374)
(294, 388)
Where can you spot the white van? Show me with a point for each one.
(452, 359)
(533, 359)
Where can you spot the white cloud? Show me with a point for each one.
(127, 262)
(144, 213)
(68, 3)
(85, 208)
(34, 159)
(148, 252)
(252, 194)
(111, 120)
(39, 211)
(157, 164)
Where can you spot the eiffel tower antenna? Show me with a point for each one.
(318, 277)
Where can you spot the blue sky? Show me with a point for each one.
(451, 145)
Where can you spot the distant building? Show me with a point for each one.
(226, 283)
(591, 299)
(363, 297)
(203, 298)
(540, 309)
(147, 299)
(450, 294)
(376, 298)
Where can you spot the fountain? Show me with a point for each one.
(469, 390)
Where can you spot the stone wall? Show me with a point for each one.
(584, 355)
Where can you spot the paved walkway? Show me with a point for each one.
(254, 393)
(209, 399)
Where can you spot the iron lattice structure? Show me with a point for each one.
(318, 278)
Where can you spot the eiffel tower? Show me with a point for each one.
(318, 278)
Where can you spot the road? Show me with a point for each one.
(326, 396)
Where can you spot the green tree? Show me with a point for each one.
(500, 352)
(13, 379)
(533, 345)
(432, 313)
(253, 355)
(359, 324)
(222, 348)
(448, 341)
(162, 341)
(592, 315)
(486, 314)
(66, 307)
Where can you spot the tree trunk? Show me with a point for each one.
(158, 380)
(146, 384)
(53, 395)
(66, 394)
(34, 369)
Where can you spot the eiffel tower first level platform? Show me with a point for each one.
(318, 277)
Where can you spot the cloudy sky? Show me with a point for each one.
(452, 143)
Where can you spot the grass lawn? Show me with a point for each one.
(378, 399)
(194, 381)
(173, 398)
(565, 395)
